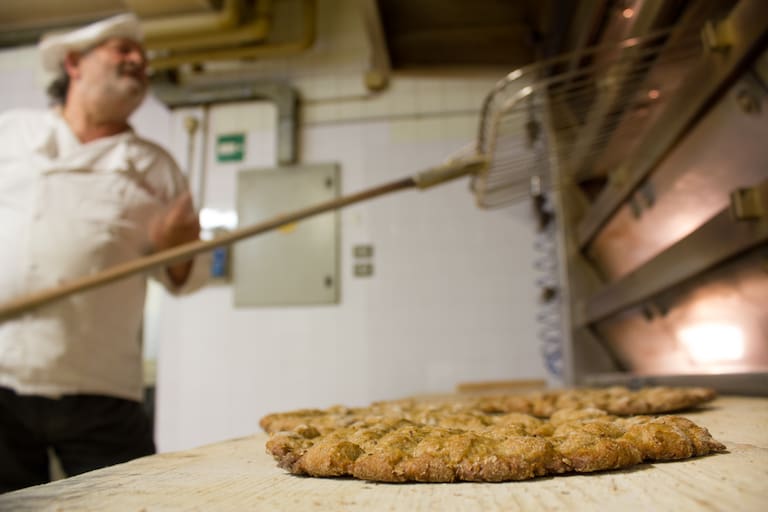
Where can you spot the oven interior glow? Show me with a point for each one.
(713, 342)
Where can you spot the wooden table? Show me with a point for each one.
(237, 475)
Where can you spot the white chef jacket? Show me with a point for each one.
(67, 210)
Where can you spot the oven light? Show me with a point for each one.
(708, 343)
(628, 12)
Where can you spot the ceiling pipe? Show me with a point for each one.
(256, 30)
(258, 51)
(165, 8)
(377, 76)
(164, 28)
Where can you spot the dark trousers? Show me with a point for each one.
(86, 432)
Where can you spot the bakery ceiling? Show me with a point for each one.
(438, 36)
(435, 34)
(418, 34)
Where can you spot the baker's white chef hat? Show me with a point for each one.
(53, 48)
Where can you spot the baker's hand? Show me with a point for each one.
(177, 225)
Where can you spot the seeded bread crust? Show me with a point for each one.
(501, 448)
(614, 400)
(474, 411)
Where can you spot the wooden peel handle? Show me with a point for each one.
(186, 251)
(453, 169)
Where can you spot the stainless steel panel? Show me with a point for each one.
(739, 36)
(716, 323)
(726, 150)
(717, 240)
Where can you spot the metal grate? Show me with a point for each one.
(596, 104)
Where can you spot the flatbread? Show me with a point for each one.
(614, 400)
(490, 438)
(511, 447)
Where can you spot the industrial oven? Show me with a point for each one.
(646, 153)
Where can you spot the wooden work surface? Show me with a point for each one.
(238, 475)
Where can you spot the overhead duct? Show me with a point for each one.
(155, 8)
(377, 77)
(209, 31)
(253, 51)
(164, 28)
(283, 96)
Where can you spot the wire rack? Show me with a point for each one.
(588, 109)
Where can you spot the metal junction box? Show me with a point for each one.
(296, 264)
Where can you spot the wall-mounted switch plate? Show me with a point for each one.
(363, 270)
(363, 251)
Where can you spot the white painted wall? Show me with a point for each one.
(452, 298)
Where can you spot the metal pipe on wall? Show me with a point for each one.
(161, 30)
(430, 177)
(227, 34)
(256, 51)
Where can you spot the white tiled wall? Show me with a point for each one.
(452, 298)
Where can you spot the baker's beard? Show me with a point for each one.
(131, 81)
(125, 89)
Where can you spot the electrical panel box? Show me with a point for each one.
(296, 264)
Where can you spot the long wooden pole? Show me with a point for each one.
(450, 170)
(186, 251)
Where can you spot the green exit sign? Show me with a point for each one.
(230, 147)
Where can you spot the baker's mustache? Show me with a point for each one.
(129, 68)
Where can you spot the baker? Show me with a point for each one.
(80, 191)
